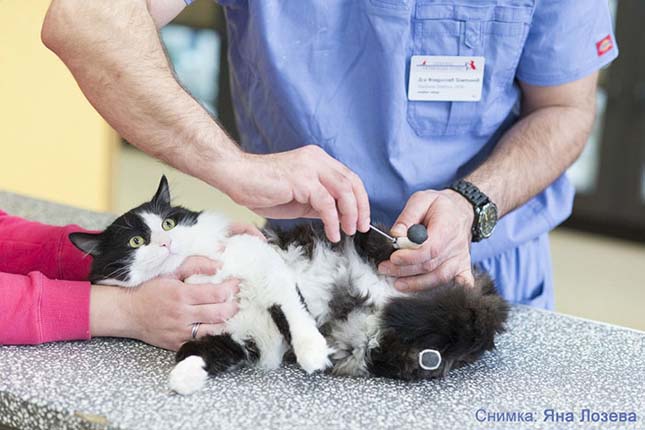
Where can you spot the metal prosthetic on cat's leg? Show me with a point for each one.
(428, 333)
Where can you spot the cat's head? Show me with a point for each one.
(147, 241)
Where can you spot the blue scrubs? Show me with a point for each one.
(334, 73)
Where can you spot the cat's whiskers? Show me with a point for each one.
(118, 272)
(124, 266)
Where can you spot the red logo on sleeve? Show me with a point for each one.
(605, 45)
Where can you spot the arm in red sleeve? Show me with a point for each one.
(27, 246)
(34, 309)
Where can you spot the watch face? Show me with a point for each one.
(487, 219)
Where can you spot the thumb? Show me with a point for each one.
(197, 266)
(414, 212)
(466, 278)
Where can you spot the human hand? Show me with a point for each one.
(301, 183)
(161, 312)
(245, 228)
(445, 255)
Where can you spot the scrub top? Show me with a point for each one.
(334, 73)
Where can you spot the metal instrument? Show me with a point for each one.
(417, 234)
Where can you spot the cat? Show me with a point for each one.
(322, 304)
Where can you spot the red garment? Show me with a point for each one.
(35, 306)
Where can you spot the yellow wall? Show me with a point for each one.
(53, 145)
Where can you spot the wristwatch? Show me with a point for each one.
(485, 209)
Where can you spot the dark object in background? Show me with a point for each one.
(615, 204)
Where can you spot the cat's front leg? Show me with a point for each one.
(298, 327)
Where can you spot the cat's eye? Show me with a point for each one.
(136, 242)
(168, 224)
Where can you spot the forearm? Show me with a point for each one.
(533, 154)
(164, 11)
(114, 52)
(35, 309)
(108, 312)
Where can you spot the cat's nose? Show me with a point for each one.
(161, 239)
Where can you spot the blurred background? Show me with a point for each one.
(60, 150)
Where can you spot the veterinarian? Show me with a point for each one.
(462, 115)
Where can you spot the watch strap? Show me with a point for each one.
(470, 192)
(477, 199)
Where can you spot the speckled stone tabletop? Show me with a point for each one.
(546, 365)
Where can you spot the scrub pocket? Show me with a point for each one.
(496, 32)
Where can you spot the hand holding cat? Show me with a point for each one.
(301, 183)
(445, 255)
(161, 311)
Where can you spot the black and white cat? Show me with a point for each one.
(323, 302)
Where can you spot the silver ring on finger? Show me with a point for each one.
(193, 332)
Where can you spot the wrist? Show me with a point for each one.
(484, 210)
(223, 169)
(207, 153)
(465, 208)
(109, 314)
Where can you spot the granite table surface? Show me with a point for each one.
(545, 365)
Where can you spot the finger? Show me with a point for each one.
(466, 278)
(197, 266)
(207, 329)
(325, 206)
(214, 313)
(360, 195)
(441, 275)
(341, 189)
(427, 251)
(237, 228)
(414, 212)
(289, 210)
(389, 269)
(202, 294)
(363, 203)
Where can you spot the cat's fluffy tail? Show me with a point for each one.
(458, 322)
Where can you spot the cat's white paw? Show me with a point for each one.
(312, 352)
(188, 375)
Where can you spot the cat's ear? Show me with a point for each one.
(87, 242)
(162, 196)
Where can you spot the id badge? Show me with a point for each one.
(446, 78)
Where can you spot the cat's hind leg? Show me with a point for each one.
(299, 329)
(208, 355)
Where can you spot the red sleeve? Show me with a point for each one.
(35, 309)
(27, 246)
